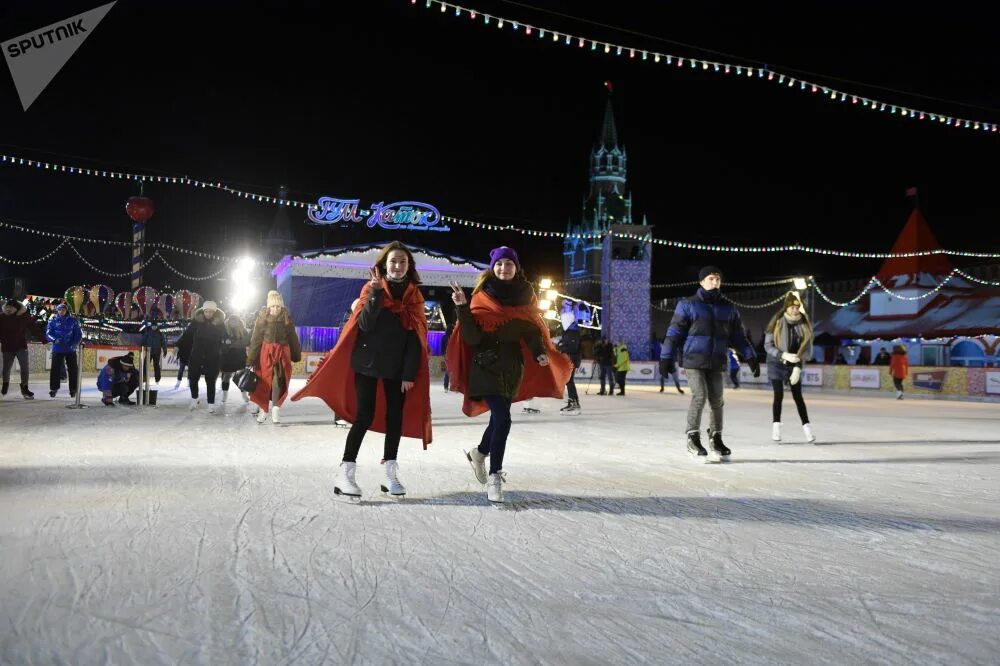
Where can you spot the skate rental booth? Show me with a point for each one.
(319, 286)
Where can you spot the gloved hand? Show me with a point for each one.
(754, 365)
(788, 357)
(795, 376)
(667, 367)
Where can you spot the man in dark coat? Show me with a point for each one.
(702, 330)
(153, 340)
(118, 379)
(205, 335)
(604, 353)
(15, 325)
(569, 344)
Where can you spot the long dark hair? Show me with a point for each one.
(411, 268)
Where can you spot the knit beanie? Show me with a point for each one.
(504, 252)
(274, 298)
(709, 270)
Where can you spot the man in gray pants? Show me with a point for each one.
(702, 330)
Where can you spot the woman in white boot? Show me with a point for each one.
(788, 342)
(383, 342)
(274, 346)
(234, 353)
(500, 353)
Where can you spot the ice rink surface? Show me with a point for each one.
(165, 536)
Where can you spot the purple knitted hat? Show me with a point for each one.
(504, 252)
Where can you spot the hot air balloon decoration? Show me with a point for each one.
(165, 304)
(124, 304)
(75, 298)
(101, 295)
(145, 300)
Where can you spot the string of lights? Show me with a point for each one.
(155, 245)
(683, 245)
(689, 283)
(26, 262)
(763, 74)
(755, 306)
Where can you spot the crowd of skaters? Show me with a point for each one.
(498, 353)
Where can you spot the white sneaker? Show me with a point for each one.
(276, 415)
(393, 486)
(225, 394)
(211, 408)
(807, 429)
(776, 431)
(494, 492)
(478, 462)
(261, 416)
(343, 482)
(194, 403)
(899, 395)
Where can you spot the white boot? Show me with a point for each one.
(225, 394)
(392, 485)
(899, 395)
(194, 403)
(776, 431)
(261, 416)
(343, 482)
(807, 429)
(246, 397)
(254, 408)
(177, 385)
(276, 414)
(494, 492)
(478, 462)
(211, 408)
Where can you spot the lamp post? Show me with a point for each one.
(805, 284)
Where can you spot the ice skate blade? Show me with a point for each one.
(385, 489)
(697, 458)
(352, 499)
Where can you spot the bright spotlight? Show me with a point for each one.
(545, 283)
(552, 294)
(544, 304)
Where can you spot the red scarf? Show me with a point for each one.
(540, 381)
(333, 379)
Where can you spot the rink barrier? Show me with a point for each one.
(930, 381)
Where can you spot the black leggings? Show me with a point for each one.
(364, 389)
(779, 394)
(494, 441)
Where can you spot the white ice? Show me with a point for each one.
(163, 536)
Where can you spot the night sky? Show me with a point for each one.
(385, 100)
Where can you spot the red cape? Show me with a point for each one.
(333, 379)
(540, 381)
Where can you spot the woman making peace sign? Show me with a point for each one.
(501, 353)
(384, 341)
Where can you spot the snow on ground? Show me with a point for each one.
(164, 536)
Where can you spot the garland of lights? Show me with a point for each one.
(875, 282)
(162, 246)
(17, 262)
(690, 283)
(683, 245)
(760, 73)
(760, 306)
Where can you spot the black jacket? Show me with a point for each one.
(604, 353)
(569, 344)
(205, 338)
(383, 347)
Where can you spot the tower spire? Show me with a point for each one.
(609, 133)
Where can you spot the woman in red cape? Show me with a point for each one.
(384, 341)
(501, 353)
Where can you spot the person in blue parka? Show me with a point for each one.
(702, 330)
(63, 331)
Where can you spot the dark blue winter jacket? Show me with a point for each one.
(702, 330)
(64, 333)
